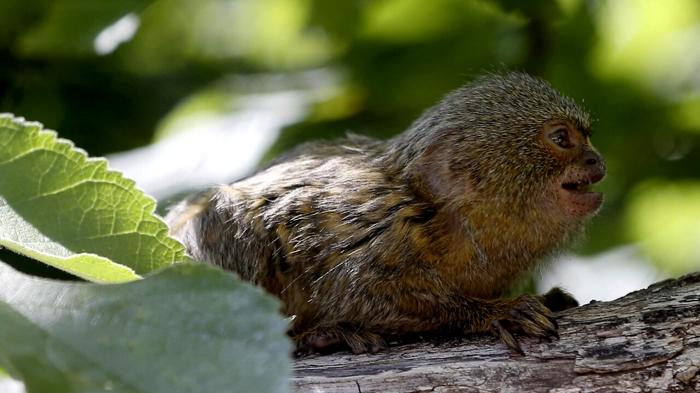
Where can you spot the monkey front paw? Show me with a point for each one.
(330, 339)
(526, 315)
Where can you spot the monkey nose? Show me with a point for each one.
(591, 160)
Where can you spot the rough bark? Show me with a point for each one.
(647, 341)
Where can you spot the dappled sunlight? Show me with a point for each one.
(651, 43)
(269, 33)
(115, 34)
(386, 20)
(218, 136)
(210, 149)
(664, 218)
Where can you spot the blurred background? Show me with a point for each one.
(184, 94)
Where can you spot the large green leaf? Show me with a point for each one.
(58, 206)
(189, 328)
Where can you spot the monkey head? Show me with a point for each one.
(581, 166)
(510, 141)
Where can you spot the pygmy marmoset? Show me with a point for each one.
(365, 239)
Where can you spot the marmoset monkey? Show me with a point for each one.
(365, 239)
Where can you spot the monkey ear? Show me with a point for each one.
(438, 174)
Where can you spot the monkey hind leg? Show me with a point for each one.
(333, 338)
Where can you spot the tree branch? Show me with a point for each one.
(648, 340)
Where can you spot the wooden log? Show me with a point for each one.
(646, 341)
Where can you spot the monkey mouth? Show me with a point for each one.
(581, 187)
(578, 196)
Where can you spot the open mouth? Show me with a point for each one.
(579, 187)
(579, 196)
(582, 185)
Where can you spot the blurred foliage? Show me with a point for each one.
(633, 63)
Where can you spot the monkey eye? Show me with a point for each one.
(561, 138)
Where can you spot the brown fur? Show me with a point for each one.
(362, 239)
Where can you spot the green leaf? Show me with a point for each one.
(59, 207)
(189, 328)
